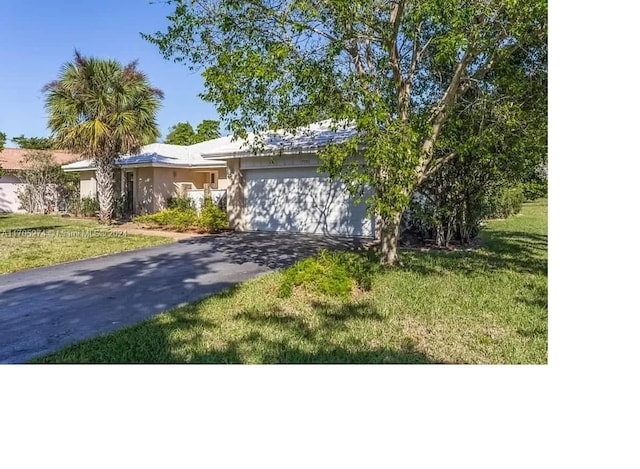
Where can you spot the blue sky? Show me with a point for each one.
(39, 36)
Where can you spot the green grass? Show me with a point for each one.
(54, 243)
(483, 306)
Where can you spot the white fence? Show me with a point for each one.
(218, 197)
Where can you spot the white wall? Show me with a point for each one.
(88, 185)
(9, 188)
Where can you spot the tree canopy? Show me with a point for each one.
(180, 134)
(33, 143)
(102, 109)
(207, 130)
(183, 134)
(399, 71)
(3, 139)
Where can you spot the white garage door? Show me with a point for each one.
(301, 200)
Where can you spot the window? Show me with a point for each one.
(213, 180)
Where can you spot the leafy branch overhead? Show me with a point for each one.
(399, 71)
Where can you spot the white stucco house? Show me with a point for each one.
(10, 183)
(272, 186)
(158, 172)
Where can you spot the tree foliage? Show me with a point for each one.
(497, 137)
(102, 109)
(396, 70)
(183, 134)
(3, 140)
(33, 143)
(41, 176)
(207, 130)
(180, 134)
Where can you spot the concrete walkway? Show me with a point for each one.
(42, 310)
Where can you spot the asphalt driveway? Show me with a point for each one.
(42, 310)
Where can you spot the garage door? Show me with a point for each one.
(301, 200)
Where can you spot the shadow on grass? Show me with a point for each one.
(519, 252)
(267, 335)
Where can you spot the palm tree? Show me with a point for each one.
(102, 109)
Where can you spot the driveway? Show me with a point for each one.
(42, 310)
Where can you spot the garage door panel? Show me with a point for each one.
(300, 200)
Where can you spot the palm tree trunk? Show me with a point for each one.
(105, 180)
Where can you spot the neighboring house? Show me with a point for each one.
(158, 172)
(10, 184)
(273, 185)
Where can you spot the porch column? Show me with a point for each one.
(235, 196)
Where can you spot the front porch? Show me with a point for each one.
(148, 189)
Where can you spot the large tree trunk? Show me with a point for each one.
(105, 180)
(389, 234)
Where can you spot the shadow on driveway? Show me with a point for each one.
(42, 310)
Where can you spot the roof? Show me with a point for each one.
(206, 154)
(305, 139)
(11, 158)
(161, 155)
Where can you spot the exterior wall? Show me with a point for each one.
(88, 185)
(9, 187)
(223, 181)
(168, 182)
(143, 198)
(198, 179)
(153, 186)
(235, 196)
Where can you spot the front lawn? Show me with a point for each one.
(483, 306)
(28, 241)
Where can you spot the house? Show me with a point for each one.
(160, 171)
(10, 183)
(275, 185)
(271, 181)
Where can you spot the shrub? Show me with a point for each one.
(361, 267)
(212, 218)
(506, 202)
(317, 276)
(171, 218)
(181, 202)
(330, 274)
(89, 206)
(535, 189)
(120, 206)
